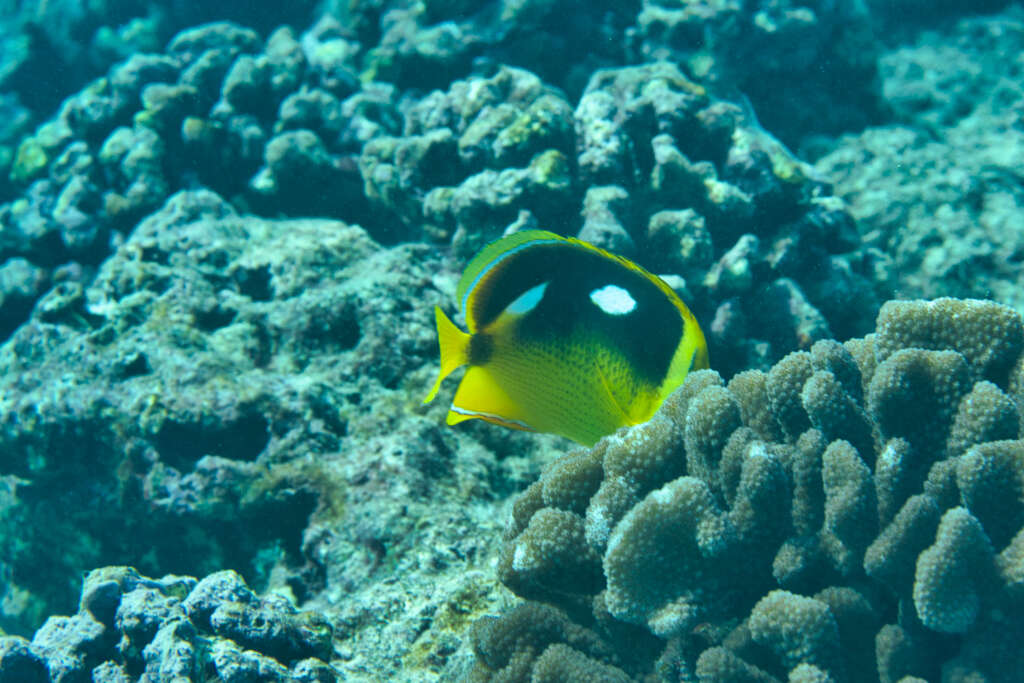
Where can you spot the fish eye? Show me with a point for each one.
(613, 300)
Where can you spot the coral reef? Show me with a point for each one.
(651, 166)
(275, 125)
(65, 44)
(130, 627)
(231, 392)
(941, 190)
(648, 164)
(808, 67)
(71, 42)
(247, 117)
(429, 45)
(854, 514)
(470, 159)
(197, 376)
(802, 49)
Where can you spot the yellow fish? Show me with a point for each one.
(564, 338)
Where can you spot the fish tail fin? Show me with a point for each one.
(454, 345)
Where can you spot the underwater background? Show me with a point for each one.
(224, 228)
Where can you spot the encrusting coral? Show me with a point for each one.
(854, 514)
(178, 628)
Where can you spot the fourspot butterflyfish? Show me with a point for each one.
(565, 338)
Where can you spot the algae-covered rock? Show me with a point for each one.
(649, 165)
(210, 108)
(231, 391)
(158, 633)
(949, 161)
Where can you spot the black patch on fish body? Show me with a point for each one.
(481, 346)
(646, 335)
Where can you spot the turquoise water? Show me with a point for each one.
(223, 232)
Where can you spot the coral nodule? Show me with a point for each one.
(854, 514)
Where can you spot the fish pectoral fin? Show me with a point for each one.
(453, 344)
(624, 417)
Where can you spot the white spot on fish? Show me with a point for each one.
(613, 300)
(527, 301)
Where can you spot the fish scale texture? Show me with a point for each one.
(855, 514)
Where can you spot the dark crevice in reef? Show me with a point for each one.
(214, 319)
(181, 444)
(255, 283)
(245, 542)
(108, 520)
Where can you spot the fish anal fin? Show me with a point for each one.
(479, 396)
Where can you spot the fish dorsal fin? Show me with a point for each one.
(490, 256)
(506, 247)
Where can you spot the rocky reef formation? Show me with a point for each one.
(648, 164)
(130, 627)
(220, 108)
(197, 375)
(854, 514)
(236, 392)
(803, 49)
(953, 195)
(51, 48)
(336, 122)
